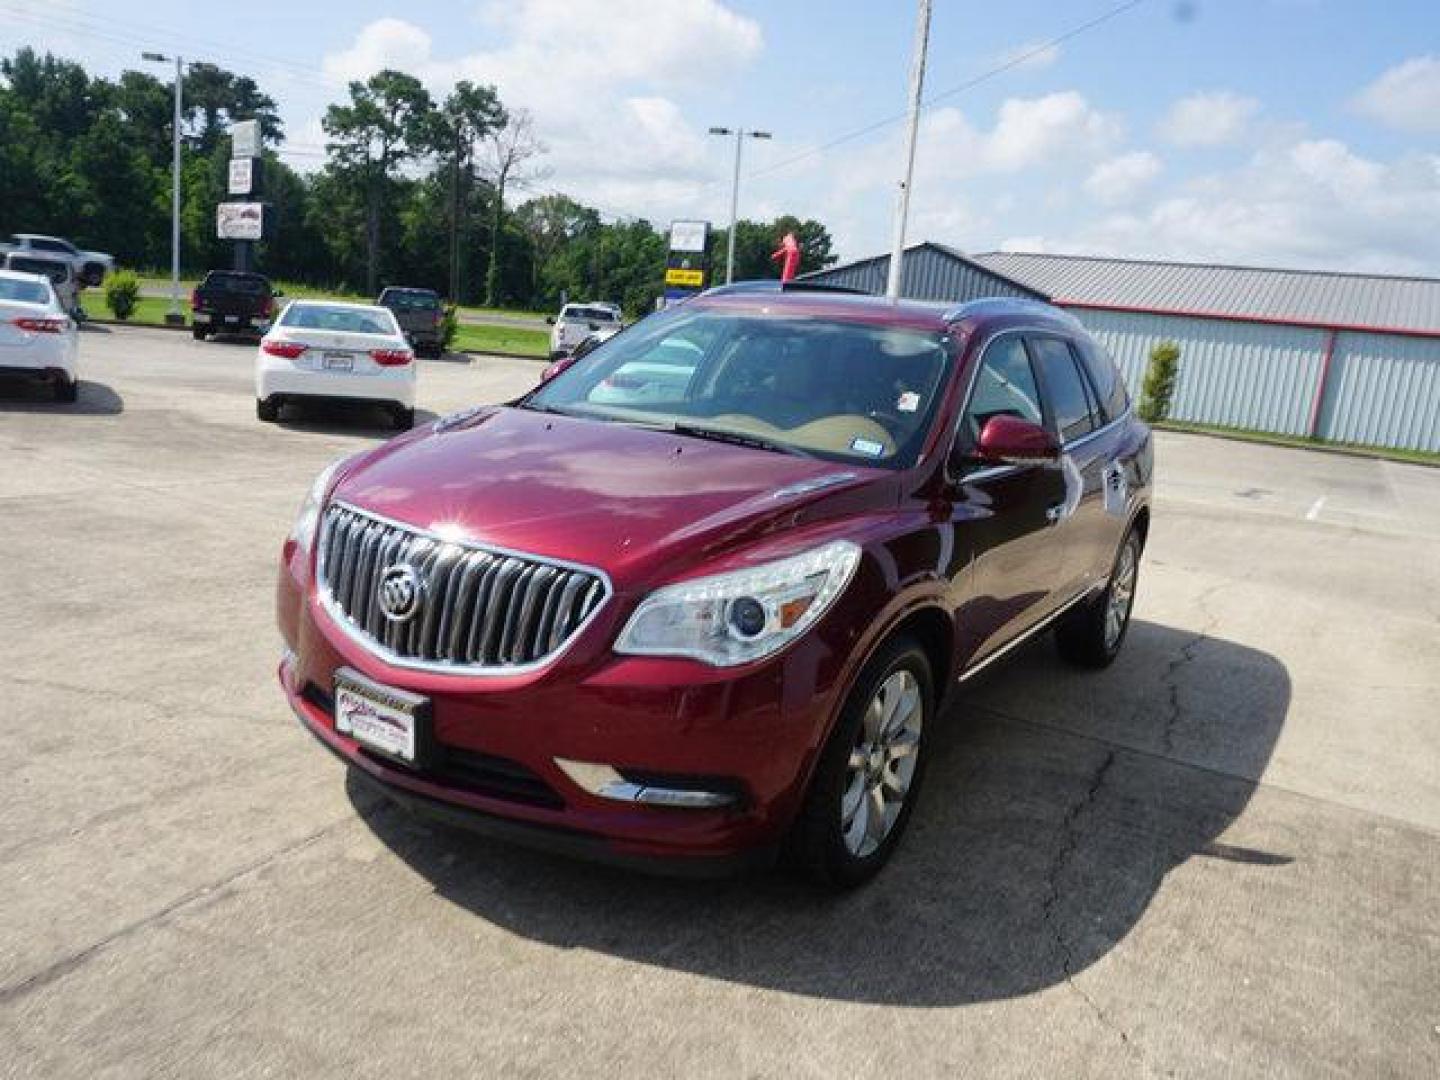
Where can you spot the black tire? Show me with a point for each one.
(67, 390)
(267, 409)
(1083, 637)
(817, 844)
(198, 333)
(403, 419)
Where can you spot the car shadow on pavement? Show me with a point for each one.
(25, 395)
(339, 418)
(1056, 802)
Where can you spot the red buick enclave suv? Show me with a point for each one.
(700, 597)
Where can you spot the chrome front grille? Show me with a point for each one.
(479, 608)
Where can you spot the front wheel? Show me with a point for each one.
(267, 410)
(67, 390)
(1091, 635)
(869, 773)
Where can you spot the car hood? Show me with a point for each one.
(628, 500)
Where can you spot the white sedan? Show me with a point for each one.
(38, 338)
(324, 351)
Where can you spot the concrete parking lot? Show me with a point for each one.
(1221, 857)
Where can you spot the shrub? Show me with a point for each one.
(121, 291)
(449, 325)
(1159, 386)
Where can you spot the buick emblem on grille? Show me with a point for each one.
(399, 592)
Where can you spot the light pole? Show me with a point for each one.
(174, 315)
(740, 136)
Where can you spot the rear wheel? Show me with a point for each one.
(869, 773)
(66, 389)
(403, 419)
(267, 409)
(198, 333)
(1091, 635)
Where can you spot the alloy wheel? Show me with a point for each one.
(881, 766)
(1121, 596)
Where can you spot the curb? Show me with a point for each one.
(1323, 448)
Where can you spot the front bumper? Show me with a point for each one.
(665, 724)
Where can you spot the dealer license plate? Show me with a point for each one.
(339, 361)
(232, 318)
(380, 717)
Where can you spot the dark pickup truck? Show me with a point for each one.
(421, 316)
(231, 302)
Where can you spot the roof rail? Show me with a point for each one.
(1002, 305)
(770, 285)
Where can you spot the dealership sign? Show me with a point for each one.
(689, 236)
(242, 176)
(245, 139)
(240, 220)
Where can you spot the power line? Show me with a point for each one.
(931, 99)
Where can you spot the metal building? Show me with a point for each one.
(1347, 357)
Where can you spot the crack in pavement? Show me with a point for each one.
(1065, 852)
(76, 960)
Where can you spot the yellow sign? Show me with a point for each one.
(677, 276)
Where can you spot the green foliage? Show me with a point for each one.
(1158, 389)
(122, 289)
(404, 184)
(449, 327)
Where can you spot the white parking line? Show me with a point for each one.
(1315, 508)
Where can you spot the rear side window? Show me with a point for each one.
(1070, 402)
(1105, 377)
(26, 292)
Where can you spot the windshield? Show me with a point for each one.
(410, 301)
(27, 292)
(837, 390)
(591, 314)
(337, 319)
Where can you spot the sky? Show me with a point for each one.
(1296, 133)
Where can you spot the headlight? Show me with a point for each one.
(743, 615)
(303, 531)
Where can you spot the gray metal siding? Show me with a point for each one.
(1368, 301)
(926, 274)
(1384, 390)
(1247, 375)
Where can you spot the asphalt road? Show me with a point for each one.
(1219, 858)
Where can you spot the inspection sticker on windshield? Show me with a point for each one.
(868, 447)
(909, 401)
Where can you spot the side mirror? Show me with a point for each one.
(1009, 440)
(550, 319)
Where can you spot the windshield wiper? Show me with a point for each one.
(735, 438)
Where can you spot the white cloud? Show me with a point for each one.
(1031, 131)
(1121, 178)
(1313, 203)
(1406, 97)
(603, 98)
(1208, 119)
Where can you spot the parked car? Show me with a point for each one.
(90, 266)
(58, 272)
(421, 315)
(698, 626)
(576, 322)
(38, 338)
(325, 351)
(589, 345)
(232, 302)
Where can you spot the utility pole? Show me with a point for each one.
(902, 205)
(174, 315)
(740, 135)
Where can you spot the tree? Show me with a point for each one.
(390, 120)
(219, 98)
(469, 116)
(755, 240)
(1159, 386)
(510, 149)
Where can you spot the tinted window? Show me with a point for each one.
(57, 272)
(1106, 378)
(839, 390)
(1065, 389)
(49, 245)
(27, 292)
(240, 284)
(1004, 386)
(410, 299)
(589, 314)
(338, 319)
